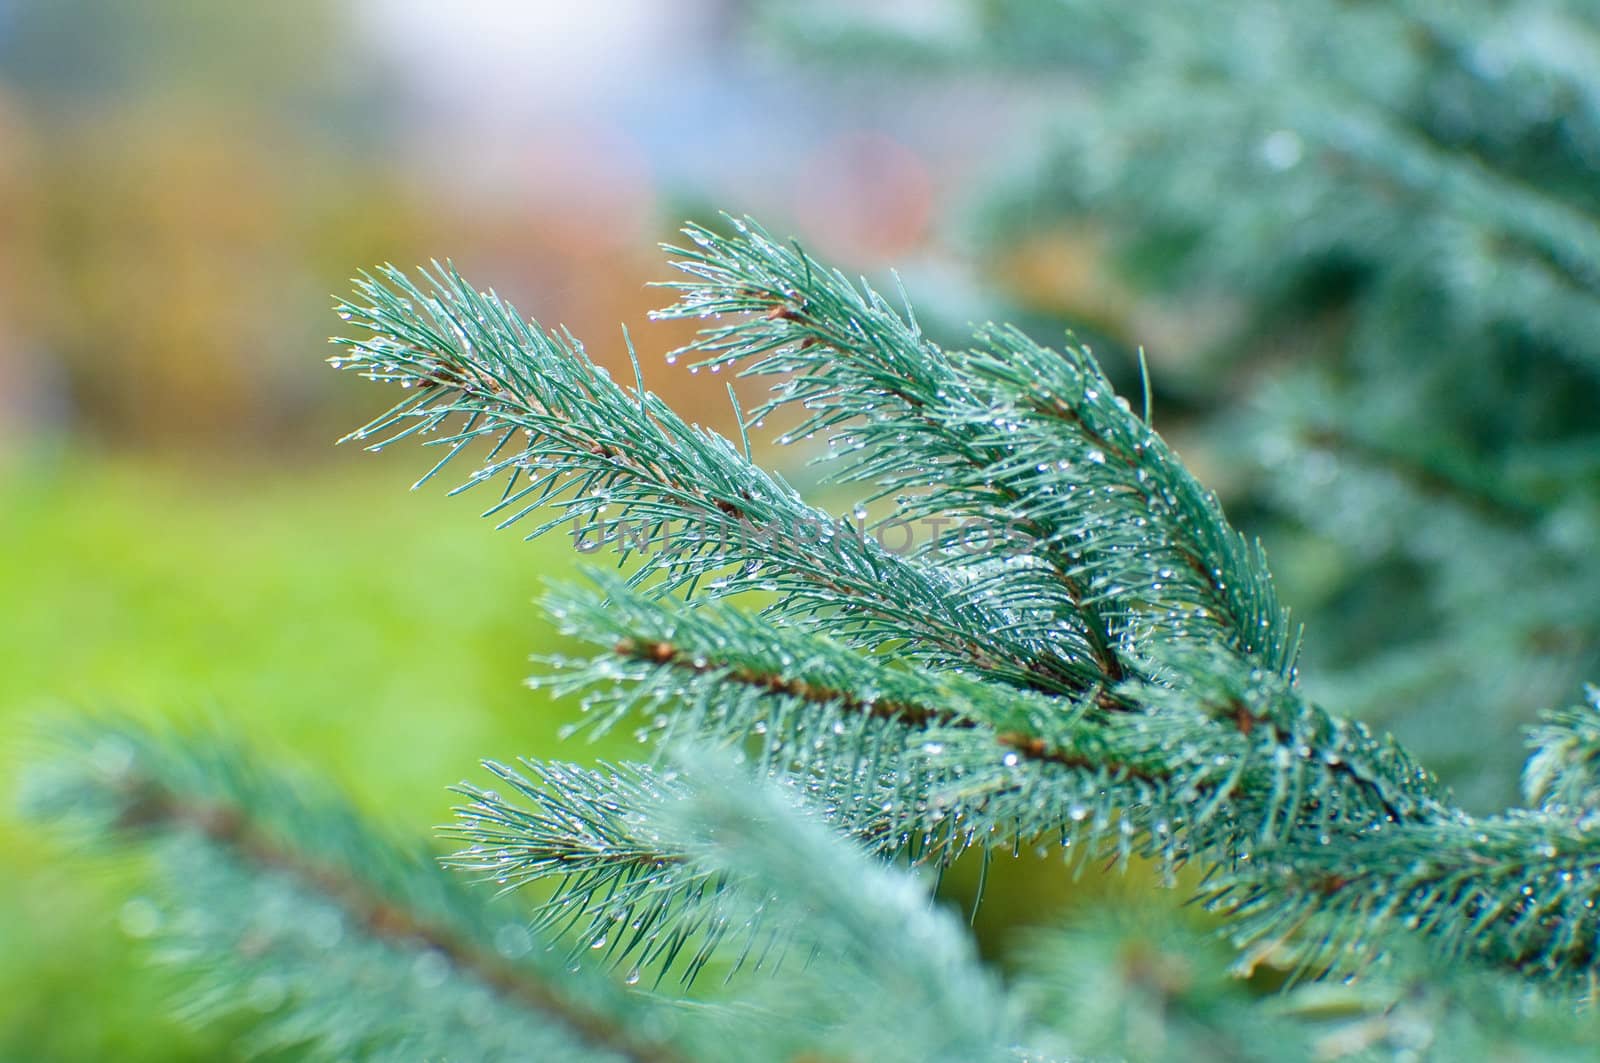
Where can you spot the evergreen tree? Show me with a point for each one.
(1392, 209)
(1082, 654)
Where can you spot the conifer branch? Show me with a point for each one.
(1563, 775)
(704, 518)
(732, 864)
(1143, 984)
(1204, 748)
(621, 887)
(1031, 440)
(1083, 653)
(1474, 489)
(909, 762)
(1333, 148)
(891, 945)
(228, 832)
(1517, 891)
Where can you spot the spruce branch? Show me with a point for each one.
(348, 942)
(704, 517)
(1147, 701)
(1516, 891)
(1563, 774)
(1447, 477)
(911, 763)
(1392, 212)
(659, 865)
(743, 665)
(1142, 984)
(620, 886)
(1085, 654)
(891, 945)
(1033, 441)
(1337, 146)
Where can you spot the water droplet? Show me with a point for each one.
(139, 918)
(112, 757)
(324, 928)
(266, 993)
(512, 941)
(1282, 149)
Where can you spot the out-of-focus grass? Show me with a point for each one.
(375, 636)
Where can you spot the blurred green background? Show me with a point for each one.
(183, 188)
